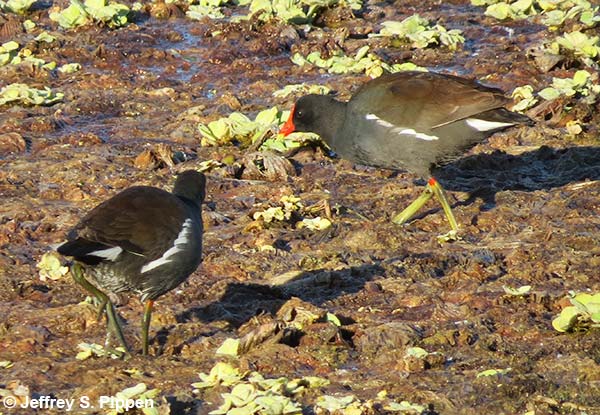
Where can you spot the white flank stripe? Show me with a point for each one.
(483, 125)
(110, 254)
(410, 131)
(400, 130)
(383, 123)
(178, 244)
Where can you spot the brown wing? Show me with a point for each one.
(142, 220)
(426, 100)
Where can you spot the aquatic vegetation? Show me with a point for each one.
(50, 267)
(362, 61)
(580, 46)
(584, 313)
(553, 12)
(301, 89)
(581, 86)
(418, 33)
(23, 94)
(16, 6)
(252, 393)
(493, 372)
(78, 14)
(11, 53)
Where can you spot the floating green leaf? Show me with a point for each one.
(525, 289)
(95, 350)
(79, 14)
(417, 352)
(6, 364)
(334, 403)
(221, 374)
(21, 93)
(314, 224)
(50, 267)
(45, 37)
(16, 6)
(230, 347)
(69, 68)
(340, 63)
(583, 313)
(493, 372)
(417, 32)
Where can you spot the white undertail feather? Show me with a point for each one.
(400, 130)
(109, 254)
(483, 125)
(178, 245)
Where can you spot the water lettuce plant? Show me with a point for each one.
(22, 93)
(301, 89)
(111, 14)
(251, 393)
(238, 128)
(418, 33)
(580, 86)
(16, 6)
(553, 12)
(584, 313)
(206, 8)
(362, 61)
(582, 47)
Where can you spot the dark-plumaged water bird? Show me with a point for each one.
(143, 240)
(413, 121)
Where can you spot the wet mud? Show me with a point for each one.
(527, 200)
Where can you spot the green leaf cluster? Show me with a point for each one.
(16, 6)
(583, 47)
(580, 86)
(12, 54)
(111, 14)
(22, 93)
(238, 128)
(50, 267)
(339, 63)
(582, 314)
(301, 89)
(294, 11)
(141, 392)
(89, 350)
(206, 8)
(251, 393)
(288, 206)
(418, 33)
(554, 12)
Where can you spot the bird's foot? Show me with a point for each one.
(448, 237)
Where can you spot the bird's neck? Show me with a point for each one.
(333, 121)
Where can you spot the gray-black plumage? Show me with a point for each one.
(143, 240)
(412, 121)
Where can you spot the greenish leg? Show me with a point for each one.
(146, 325)
(414, 207)
(433, 188)
(440, 195)
(113, 321)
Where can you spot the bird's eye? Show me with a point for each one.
(299, 114)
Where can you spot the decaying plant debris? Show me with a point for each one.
(358, 316)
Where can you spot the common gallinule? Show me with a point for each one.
(414, 121)
(143, 240)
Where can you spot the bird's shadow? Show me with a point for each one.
(484, 175)
(242, 301)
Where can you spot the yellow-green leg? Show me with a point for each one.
(146, 325)
(113, 321)
(433, 188)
